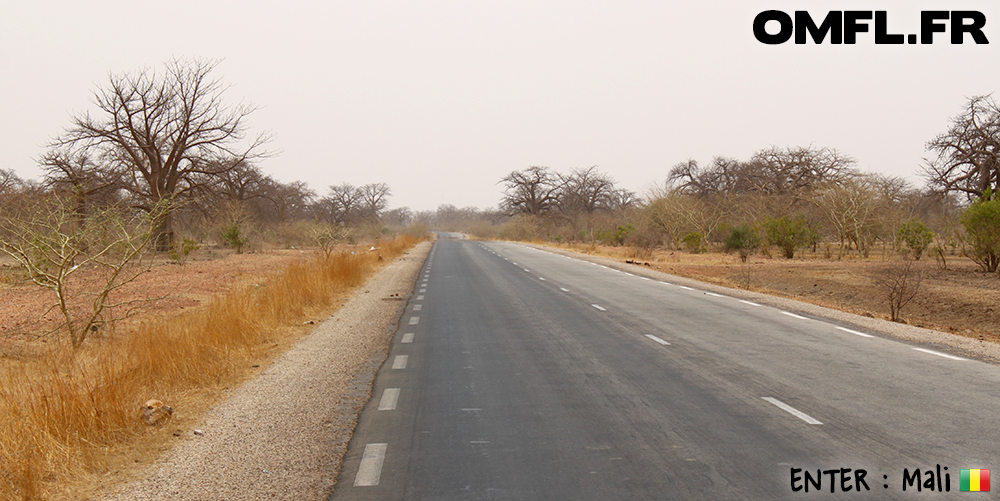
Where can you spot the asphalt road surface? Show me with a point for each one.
(521, 374)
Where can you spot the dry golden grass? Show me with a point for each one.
(70, 420)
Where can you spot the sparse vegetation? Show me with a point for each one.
(69, 416)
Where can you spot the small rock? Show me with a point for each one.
(155, 412)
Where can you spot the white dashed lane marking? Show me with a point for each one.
(400, 362)
(792, 410)
(390, 397)
(938, 353)
(862, 334)
(420, 298)
(407, 338)
(563, 289)
(800, 317)
(414, 320)
(658, 340)
(749, 302)
(598, 307)
(371, 465)
(417, 307)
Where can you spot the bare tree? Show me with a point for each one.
(342, 204)
(288, 199)
(535, 190)
(968, 154)
(374, 199)
(587, 191)
(81, 179)
(899, 284)
(8, 181)
(162, 130)
(49, 241)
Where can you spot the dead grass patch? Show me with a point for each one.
(70, 421)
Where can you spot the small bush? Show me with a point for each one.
(693, 242)
(179, 254)
(982, 223)
(742, 239)
(916, 236)
(788, 234)
(233, 237)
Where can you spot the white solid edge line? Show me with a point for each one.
(751, 303)
(658, 340)
(390, 397)
(862, 334)
(407, 338)
(714, 294)
(685, 287)
(371, 465)
(598, 307)
(800, 317)
(400, 361)
(938, 353)
(792, 410)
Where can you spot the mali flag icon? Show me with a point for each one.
(975, 480)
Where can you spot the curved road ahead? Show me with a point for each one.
(521, 374)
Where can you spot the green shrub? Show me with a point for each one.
(232, 237)
(788, 234)
(982, 223)
(742, 239)
(916, 236)
(693, 242)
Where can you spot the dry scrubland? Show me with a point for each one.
(69, 420)
(960, 298)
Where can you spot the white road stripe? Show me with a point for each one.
(800, 317)
(400, 361)
(658, 340)
(714, 294)
(666, 283)
(418, 307)
(527, 270)
(938, 353)
(407, 338)
(792, 410)
(862, 334)
(541, 278)
(564, 290)
(749, 302)
(423, 290)
(420, 298)
(598, 307)
(390, 397)
(627, 273)
(685, 287)
(414, 320)
(646, 278)
(371, 465)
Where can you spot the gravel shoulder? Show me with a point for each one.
(941, 341)
(283, 434)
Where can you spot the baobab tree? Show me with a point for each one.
(162, 131)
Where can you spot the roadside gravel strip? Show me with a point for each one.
(941, 341)
(283, 434)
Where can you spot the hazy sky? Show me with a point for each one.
(440, 99)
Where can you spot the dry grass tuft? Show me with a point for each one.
(69, 420)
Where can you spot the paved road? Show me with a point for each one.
(521, 374)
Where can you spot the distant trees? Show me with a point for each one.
(162, 134)
(535, 190)
(968, 154)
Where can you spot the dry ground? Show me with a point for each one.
(960, 299)
(26, 316)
